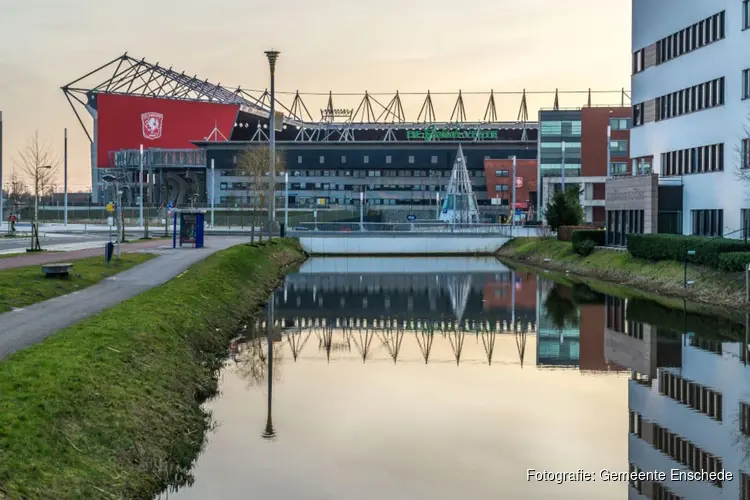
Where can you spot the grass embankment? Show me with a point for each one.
(111, 407)
(24, 286)
(711, 287)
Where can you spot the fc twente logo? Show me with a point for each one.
(152, 125)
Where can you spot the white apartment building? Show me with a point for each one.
(691, 105)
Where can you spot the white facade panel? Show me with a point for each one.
(727, 124)
(723, 373)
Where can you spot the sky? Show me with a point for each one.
(347, 46)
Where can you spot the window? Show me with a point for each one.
(619, 123)
(696, 396)
(638, 114)
(678, 448)
(343, 159)
(223, 186)
(551, 128)
(411, 160)
(366, 159)
(745, 14)
(618, 148)
(388, 159)
(704, 32)
(744, 484)
(434, 159)
(745, 419)
(501, 173)
(639, 61)
(745, 83)
(299, 159)
(322, 159)
(618, 168)
(745, 217)
(693, 160)
(689, 100)
(708, 222)
(501, 187)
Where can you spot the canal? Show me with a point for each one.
(450, 378)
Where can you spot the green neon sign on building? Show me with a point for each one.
(437, 134)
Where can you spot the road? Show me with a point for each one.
(60, 242)
(25, 327)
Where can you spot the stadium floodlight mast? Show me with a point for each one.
(272, 56)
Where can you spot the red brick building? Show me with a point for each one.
(578, 139)
(498, 174)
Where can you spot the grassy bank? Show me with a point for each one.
(24, 286)
(110, 407)
(654, 278)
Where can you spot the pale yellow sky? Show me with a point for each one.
(344, 45)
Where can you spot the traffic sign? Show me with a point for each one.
(110, 207)
(411, 217)
(518, 211)
(110, 221)
(169, 206)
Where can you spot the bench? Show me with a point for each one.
(57, 269)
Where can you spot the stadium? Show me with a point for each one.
(370, 149)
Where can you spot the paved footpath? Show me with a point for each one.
(24, 327)
(39, 258)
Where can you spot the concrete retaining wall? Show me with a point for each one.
(400, 244)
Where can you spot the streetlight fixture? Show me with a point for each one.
(272, 56)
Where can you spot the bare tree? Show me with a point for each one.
(37, 162)
(742, 167)
(254, 163)
(18, 191)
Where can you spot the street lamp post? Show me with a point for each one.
(65, 179)
(286, 201)
(140, 188)
(272, 56)
(513, 203)
(213, 192)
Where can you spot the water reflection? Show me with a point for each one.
(669, 380)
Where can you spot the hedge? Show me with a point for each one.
(595, 235)
(734, 261)
(565, 233)
(675, 247)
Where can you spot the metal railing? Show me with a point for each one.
(436, 227)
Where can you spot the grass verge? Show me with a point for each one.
(711, 287)
(111, 407)
(24, 286)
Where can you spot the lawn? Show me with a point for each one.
(110, 407)
(24, 286)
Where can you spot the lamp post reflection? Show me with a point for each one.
(269, 433)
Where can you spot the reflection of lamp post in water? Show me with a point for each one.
(269, 432)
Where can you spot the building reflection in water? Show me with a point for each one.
(688, 398)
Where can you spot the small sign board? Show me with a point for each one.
(110, 221)
(110, 207)
(411, 217)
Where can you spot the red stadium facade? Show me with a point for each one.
(127, 122)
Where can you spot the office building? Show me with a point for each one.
(575, 147)
(690, 89)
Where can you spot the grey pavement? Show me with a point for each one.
(24, 327)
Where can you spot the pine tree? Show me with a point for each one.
(564, 208)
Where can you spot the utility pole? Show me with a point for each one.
(286, 201)
(65, 179)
